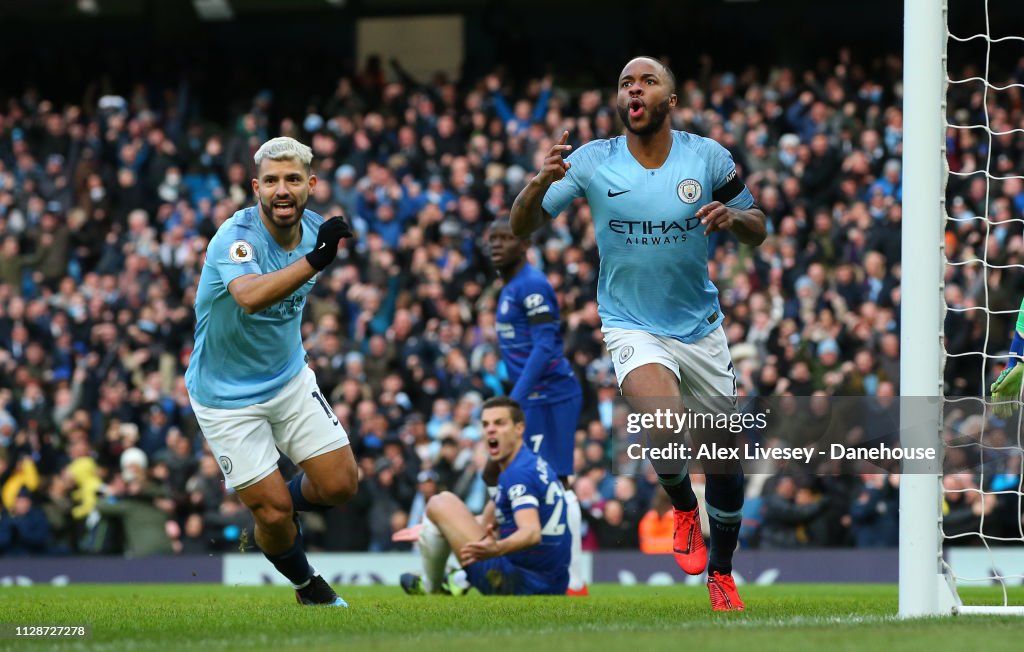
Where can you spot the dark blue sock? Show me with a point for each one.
(299, 502)
(724, 535)
(292, 563)
(680, 490)
(724, 496)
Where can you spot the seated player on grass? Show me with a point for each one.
(520, 545)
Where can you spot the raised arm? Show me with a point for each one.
(527, 213)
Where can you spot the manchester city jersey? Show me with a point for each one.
(530, 340)
(242, 359)
(529, 482)
(654, 254)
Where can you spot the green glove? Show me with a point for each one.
(1006, 391)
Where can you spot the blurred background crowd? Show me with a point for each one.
(107, 205)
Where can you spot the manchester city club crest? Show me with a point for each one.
(225, 463)
(625, 354)
(689, 191)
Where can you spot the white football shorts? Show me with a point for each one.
(704, 368)
(245, 441)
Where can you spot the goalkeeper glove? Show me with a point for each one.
(326, 248)
(1006, 391)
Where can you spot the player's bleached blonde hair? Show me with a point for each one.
(284, 148)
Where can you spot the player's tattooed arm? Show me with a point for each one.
(748, 225)
(257, 292)
(527, 213)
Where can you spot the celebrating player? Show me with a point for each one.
(656, 195)
(530, 554)
(531, 347)
(249, 384)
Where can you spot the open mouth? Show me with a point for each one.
(636, 108)
(492, 446)
(283, 206)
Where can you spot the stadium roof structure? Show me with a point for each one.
(49, 10)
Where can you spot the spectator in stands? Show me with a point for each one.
(226, 523)
(24, 475)
(656, 526)
(874, 514)
(14, 263)
(786, 519)
(57, 508)
(140, 506)
(611, 528)
(24, 529)
(963, 509)
(426, 488)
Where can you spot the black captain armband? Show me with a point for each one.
(732, 187)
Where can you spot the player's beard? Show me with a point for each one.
(656, 116)
(287, 222)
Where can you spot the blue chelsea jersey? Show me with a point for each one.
(529, 483)
(530, 340)
(654, 254)
(241, 359)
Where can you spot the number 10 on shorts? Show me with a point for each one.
(323, 403)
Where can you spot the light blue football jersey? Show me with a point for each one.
(241, 359)
(654, 254)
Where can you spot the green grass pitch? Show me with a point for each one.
(830, 618)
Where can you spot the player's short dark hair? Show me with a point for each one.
(665, 69)
(503, 220)
(514, 408)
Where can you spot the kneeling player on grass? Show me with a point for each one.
(530, 554)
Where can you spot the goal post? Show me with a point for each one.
(927, 585)
(921, 303)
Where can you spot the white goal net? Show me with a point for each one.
(981, 499)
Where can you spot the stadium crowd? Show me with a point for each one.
(106, 207)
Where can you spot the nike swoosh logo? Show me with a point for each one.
(616, 194)
(335, 422)
(322, 245)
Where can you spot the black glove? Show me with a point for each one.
(326, 248)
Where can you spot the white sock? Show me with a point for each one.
(460, 579)
(435, 550)
(574, 516)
